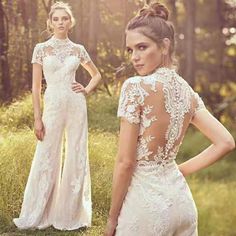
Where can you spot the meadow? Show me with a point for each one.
(213, 189)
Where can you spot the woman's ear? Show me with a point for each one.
(166, 46)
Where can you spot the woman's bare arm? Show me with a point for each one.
(36, 95)
(95, 75)
(124, 166)
(222, 143)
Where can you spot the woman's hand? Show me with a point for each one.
(110, 227)
(39, 129)
(79, 88)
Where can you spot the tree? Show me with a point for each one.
(93, 28)
(6, 83)
(190, 41)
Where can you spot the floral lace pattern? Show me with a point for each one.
(52, 196)
(162, 104)
(61, 49)
(136, 106)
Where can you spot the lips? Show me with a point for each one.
(61, 28)
(138, 66)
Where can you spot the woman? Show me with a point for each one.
(52, 198)
(150, 195)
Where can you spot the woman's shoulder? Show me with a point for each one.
(133, 80)
(132, 83)
(40, 45)
(168, 77)
(134, 87)
(77, 45)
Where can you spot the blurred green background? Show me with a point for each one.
(206, 51)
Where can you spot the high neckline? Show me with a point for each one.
(61, 41)
(159, 70)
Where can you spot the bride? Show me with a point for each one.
(52, 198)
(150, 196)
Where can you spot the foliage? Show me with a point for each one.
(103, 34)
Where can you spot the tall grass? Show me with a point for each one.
(213, 188)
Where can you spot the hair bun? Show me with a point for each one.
(155, 9)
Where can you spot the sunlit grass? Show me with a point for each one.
(213, 189)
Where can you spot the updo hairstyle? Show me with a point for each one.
(152, 22)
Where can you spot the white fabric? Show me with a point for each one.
(52, 196)
(158, 202)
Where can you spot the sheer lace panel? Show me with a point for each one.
(163, 104)
(61, 49)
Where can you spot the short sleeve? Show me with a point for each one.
(199, 103)
(84, 56)
(37, 55)
(129, 107)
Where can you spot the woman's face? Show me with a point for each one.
(145, 55)
(60, 21)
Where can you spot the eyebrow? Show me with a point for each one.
(60, 16)
(138, 44)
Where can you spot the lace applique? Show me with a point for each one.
(200, 104)
(37, 55)
(76, 184)
(83, 55)
(163, 105)
(135, 106)
(177, 104)
(133, 224)
(143, 151)
(132, 96)
(146, 122)
(160, 156)
(61, 49)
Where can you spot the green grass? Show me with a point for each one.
(213, 189)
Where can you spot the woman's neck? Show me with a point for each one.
(60, 36)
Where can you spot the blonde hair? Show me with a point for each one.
(59, 6)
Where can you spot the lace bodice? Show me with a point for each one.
(163, 104)
(60, 59)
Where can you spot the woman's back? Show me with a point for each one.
(150, 195)
(163, 104)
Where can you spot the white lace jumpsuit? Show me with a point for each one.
(54, 197)
(158, 201)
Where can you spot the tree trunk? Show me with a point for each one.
(33, 36)
(77, 31)
(93, 29)
(125, 7)
(190, 42)
(173, 12)
(6, 83)
(47, 4)
(220, 40)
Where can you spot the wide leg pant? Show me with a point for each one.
(58, 196)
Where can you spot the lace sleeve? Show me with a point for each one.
(129, 106)
(84, 56)
(37, 55)
(199, 103)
